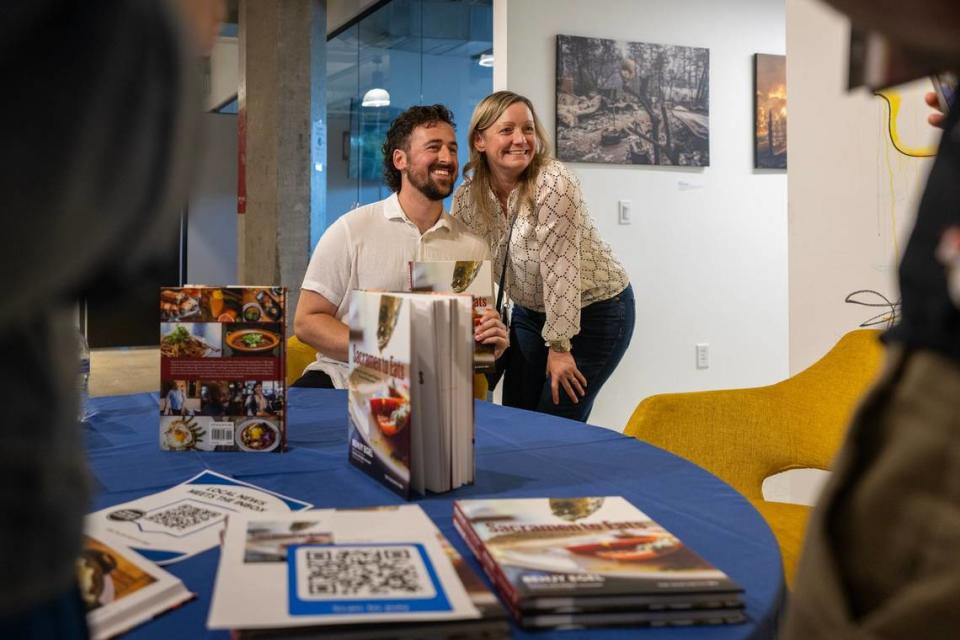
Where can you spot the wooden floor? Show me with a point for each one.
(125, 370)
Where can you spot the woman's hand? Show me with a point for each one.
(491, 330)
(562, 370)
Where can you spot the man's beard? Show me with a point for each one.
(428, 187)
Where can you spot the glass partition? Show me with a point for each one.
(406, 52)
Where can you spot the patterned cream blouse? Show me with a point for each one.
(558, 263)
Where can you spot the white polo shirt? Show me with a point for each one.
(370, 248)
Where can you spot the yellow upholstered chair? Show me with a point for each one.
(299, 355)
(746, 435)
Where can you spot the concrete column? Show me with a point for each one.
(283, 140)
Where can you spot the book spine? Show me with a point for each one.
(283, 372)
(490, 566)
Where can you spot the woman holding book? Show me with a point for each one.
(573, 306)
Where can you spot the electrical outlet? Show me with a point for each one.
(703, 355)
(623, 212)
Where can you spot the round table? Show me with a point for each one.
(519, 454)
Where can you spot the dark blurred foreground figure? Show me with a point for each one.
(98, 108)
(882, 554)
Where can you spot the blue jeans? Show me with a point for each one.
(606, 328)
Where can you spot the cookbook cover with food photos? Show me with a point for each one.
(222, 365)
(474, 277)
(379, 402)
(577, 551)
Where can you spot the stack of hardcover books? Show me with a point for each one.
(411, 389)
(582, 562)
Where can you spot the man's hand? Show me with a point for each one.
(935, 119)
(562, 370)
(491, 330)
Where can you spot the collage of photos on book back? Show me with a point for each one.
(222, 353)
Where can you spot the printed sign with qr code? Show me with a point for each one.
(357, 579)
(180, 518)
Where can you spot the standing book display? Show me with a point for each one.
(573, 562)
(410, 390)
(222, 353)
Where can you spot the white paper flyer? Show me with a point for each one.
(334, 567)
(186, 519)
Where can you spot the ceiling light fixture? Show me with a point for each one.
(376, 97)
(486, 60)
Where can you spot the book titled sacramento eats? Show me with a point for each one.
(593, 561)
(410, 399)
(474, 277)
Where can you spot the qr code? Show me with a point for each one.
(358, 572)
(184, 517)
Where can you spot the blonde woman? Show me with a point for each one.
(573, 306)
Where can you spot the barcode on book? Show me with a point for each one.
(221, 433)
(362, 572)
(182, 519)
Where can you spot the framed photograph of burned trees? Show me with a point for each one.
(770, 113)
(624, 102)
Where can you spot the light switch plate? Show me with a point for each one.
(703, 355)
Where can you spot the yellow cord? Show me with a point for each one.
(893, 101)
(893, 200)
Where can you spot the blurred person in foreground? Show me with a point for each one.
(882, 554)
(100, 106)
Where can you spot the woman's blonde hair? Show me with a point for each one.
(487, 112)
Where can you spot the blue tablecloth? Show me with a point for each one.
(519, 454)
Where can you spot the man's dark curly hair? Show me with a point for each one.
(398, 137)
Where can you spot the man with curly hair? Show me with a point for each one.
(370, 247)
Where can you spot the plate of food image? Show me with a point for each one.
(252, 340)
(258, 434)
(180, 343)
(381, 412)
(178, 305)
(627, 553)
(182, 434)
(392, 414)
(251, 312)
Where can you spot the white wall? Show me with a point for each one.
(852, 195)
(707, 250)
